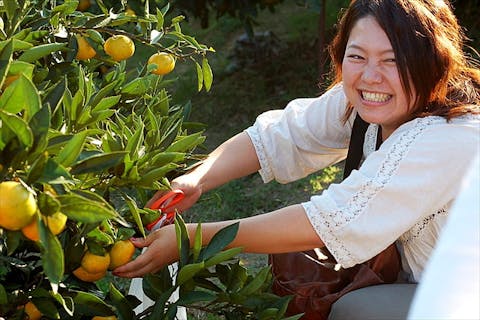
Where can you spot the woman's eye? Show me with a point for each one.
(391, 60)
(355, 56)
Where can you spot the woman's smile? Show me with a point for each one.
(370, 97)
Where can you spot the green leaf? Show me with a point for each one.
(21, 95)
(197, 244)
(195, 297)
(219, 241)
(73, 148)
(163, 158)
(207, 74)
(132, 205)
(5, 59)
(13, 241)
(222, 256)
(37, 168)
(41, 123)
(55, 94)
(268, 314)
(183, 242)
(155, 284)
(54, 173)
(46, 306)
(47, 204)
(35, 53)
(188, 271)
(135, 142)
(199, 76)
(98, 162)
(52, 255)
(102, 93)
(21, 67)
(256, 283)
(19, 127)
(121, 303)
(158, 311)
(99, 237)
(186, 143)
(66, 8)
(84, 210)
(3, 295)
(65, 302)
(149, 178)
(106, 103)
(88, 304)
(94, 35)
(136, 87)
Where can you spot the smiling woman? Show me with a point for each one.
(400, 70)
(371, 79)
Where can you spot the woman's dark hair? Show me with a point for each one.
(428, 45)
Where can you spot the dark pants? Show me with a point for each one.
(381, 302)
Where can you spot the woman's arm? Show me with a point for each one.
(284, 230)
(233, 159)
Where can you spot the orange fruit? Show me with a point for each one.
(85, 50)
(104, 318)
(165, 63)
(32, 312)
(94, 263)
(86, 276)
(83, 5)
(55, 222)
(119, 47)
(17, 205)
(121, 253)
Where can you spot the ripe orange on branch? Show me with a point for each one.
(121, 253)
(165, 63)
(119, 47)
(94, 263)
(83, 5)
(32, 312)
(85, 50)
(17, 205)
(86, 276)
(55, 222)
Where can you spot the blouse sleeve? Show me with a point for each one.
(415, 172)
(306, 136)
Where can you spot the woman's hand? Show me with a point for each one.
(162, 250)
(190, 187)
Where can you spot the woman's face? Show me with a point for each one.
(371, 79)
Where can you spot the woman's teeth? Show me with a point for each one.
(375, 96)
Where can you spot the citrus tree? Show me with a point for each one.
(87, 133)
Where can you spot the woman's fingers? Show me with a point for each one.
(161, 250)
(142, 265)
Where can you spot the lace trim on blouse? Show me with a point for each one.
(327, 222)
(416, 231)
(265, 172)
(371, 139)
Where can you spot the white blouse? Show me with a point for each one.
(401, 191)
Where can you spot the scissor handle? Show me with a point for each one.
(168, 200)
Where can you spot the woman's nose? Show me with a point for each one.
(371, 74)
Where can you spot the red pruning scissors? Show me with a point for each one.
(165, 205)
